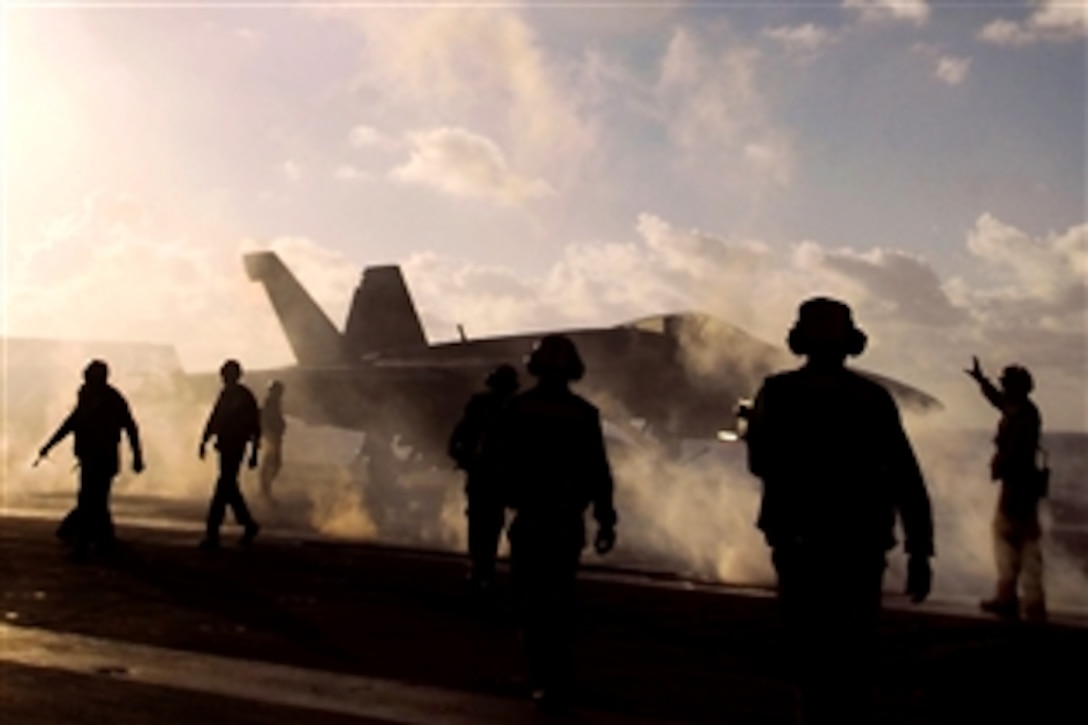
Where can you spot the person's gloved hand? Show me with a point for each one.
(605, 540)
(138, 464)
(919, 578)
(253, 459)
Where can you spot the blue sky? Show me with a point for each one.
(534, 165)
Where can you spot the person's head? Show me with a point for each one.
(1016, 381)
(275, 389)
(556, 359)
(231, 372)
(825, 331)
(96, 373)
(503, 379)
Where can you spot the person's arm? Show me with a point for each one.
(913, 504)
(64, 429)
(211, 425)
(604, 510)
(133, 433)
(995, 396)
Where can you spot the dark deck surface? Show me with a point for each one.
(651, 648)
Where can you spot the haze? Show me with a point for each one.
(534, 165)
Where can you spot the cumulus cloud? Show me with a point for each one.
(708, 98)
(1025, 301)
(1050, 21)
(915, 11)
(953, 70)
(480, 68)
(347, 172)
(462, 163)
(121, 269)
(291, 171)
(807, 38)
(363, 136)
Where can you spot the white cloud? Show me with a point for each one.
(479, 68)
(363, 136)
(346, 172)
(1027, 304)
(1050, 21)
(291, 171)
(462, 163)
(807, 38)
(715, 114)
(953, 70)
(915, 11)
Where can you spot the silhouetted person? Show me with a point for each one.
(235, 422)
(836, 466)
(486, 512)
(101, 413)
(273, 427)
(548, 453)
(1016, 526)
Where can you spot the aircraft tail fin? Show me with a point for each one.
(313, 337)
(382, 314)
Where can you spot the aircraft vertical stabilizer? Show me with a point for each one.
(313, 338)
(382, 315)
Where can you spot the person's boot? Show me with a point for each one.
(252, 529)
(209, 543)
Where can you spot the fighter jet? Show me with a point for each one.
(673, 376)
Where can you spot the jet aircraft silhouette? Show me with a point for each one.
(672, 376)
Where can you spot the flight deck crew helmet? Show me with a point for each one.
(503, 379)
(96, 373)
(825, 324)
(231, 371)
(1016, 380)
(555, 356)
(275, 388)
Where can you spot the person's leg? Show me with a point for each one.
(485, 523)
(1032, 572)
(229, 462)
(1007, 556)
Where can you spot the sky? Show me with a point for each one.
(545, 163)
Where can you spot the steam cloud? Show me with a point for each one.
(690, 515)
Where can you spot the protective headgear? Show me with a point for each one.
(824, 323)
(555, 356)
(231, 371)
(503, 378)
(96, 373)
(1017, 380)
(275, 388)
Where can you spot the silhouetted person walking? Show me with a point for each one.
(549, 456)
(273, 426)
(486, 512)
(1016, 528)
(836, 466)
(235, 421)
(101, 413)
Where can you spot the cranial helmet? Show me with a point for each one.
(825, 324)
(231, 371)
(1017, 380)
(503, 378)
(275, 388)
(555, 356)
(96, 372)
